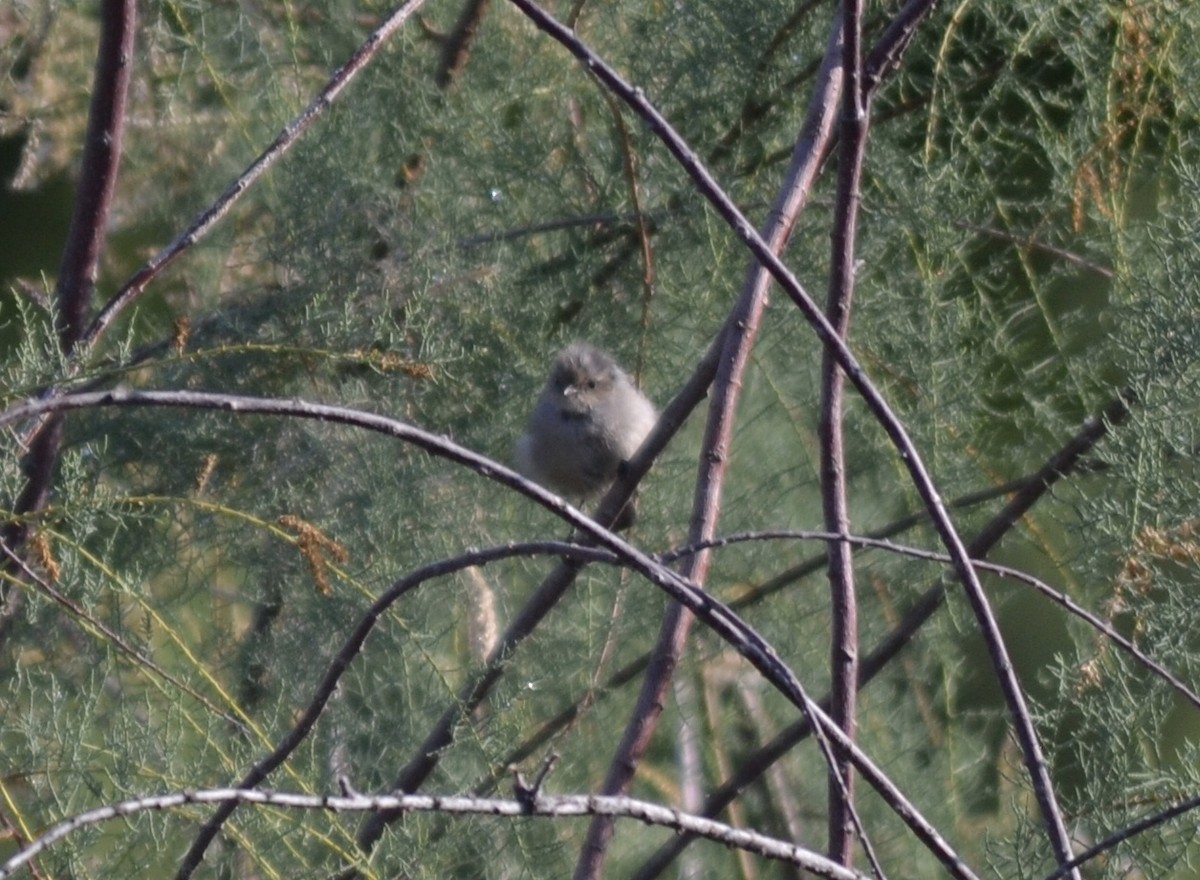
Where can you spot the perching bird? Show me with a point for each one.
(588, 421)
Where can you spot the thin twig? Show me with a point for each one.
(1005, 571)
(1124, 834)
(1028, 241)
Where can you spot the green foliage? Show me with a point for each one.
(1028, 247)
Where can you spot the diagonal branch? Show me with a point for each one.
(456, 50)
(737, 341)
(1031, 750)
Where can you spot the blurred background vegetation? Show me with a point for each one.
(1030, 250)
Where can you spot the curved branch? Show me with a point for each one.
(1005, 571)
(525, 804)
(717, 616)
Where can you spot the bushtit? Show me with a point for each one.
(588, 421)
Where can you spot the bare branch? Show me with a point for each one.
(81, 256)
(843, 603)
(538, 804)
(98, 176)
(1119, 837)
(635, 667)
(1004, 571)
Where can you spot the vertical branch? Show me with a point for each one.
(737, 341)
(98, 176)
(843, 602)
(81, 256)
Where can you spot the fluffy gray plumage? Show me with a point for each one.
(588, 420)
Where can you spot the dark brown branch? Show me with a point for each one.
(843, 646)
(457, 47)
(81, 256)
(98, 175)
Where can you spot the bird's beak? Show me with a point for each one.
(570, 390)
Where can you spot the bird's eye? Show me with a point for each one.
(591, 384)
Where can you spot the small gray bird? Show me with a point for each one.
(588, 420)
